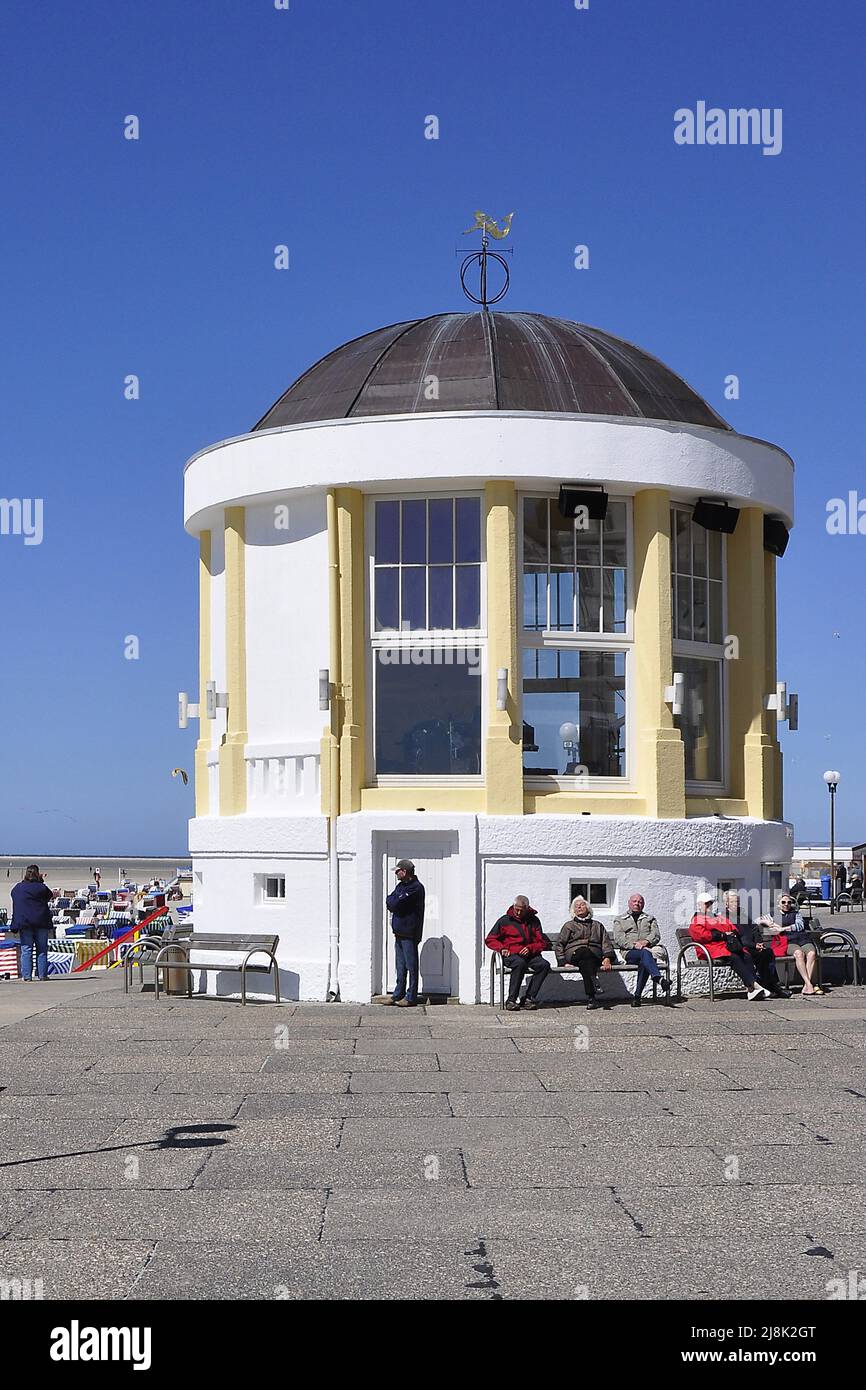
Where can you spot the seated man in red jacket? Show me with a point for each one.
(518, 938)
(720, 937)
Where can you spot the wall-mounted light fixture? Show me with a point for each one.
(324, 689)
(674, 693)
(214, 699)
(775, 536)
(787, 707)
(502, 688)
(185, 711)
(212, 702)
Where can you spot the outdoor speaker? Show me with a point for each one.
(716, 516)
(593, 499)
(775, 536)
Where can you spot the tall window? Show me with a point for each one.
(576, 635)
(427, 636)
(697, 585)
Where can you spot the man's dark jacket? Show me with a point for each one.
(406, 905)
(510, 934)
(30, 905)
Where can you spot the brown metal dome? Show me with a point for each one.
(489, 361)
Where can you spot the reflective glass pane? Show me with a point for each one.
(589, 599)
(428, 712)
(441, 579)
(441, 526)
(468, 522)
(682, 541)
(586, 689)
(387, 541)
(700, 616)
(684, 608)
(562, 537)
(414, 533)
(535, 531)
(588, 540)
(614, 615)
(716, 634)
(535, 598)
(613, 534)
(700, 722)
(413, 613)
(714, 543)
(562, 600)
(598, 894)
(468, 596)
(387, 599)
(699, 549)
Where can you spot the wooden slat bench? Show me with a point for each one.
(242, 944)
(500, 969)
(829, 942)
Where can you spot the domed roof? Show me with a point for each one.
(489, 361)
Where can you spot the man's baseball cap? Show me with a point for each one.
(404, 864)
(706, 897)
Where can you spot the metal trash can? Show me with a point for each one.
(177, 981)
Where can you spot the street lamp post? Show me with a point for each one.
(832, 780)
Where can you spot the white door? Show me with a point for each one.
(435, 860)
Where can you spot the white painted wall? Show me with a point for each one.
(217, 726)
(371, 452)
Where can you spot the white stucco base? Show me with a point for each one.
(475, 866)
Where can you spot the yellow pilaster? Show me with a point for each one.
(350, 544)
(330, 744)
(752, 747)
(770, 673)
(204, 665)
(503, 753)
(660, 753)
(233, 782)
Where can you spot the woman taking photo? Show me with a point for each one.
(31, 918)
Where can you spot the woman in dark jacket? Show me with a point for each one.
(31, 918)
(585, 945)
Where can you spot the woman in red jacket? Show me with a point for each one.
(720, 939)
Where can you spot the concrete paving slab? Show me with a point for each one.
(352, 1170)
(426, 1214)
(777, 1208)
(480, 1080)
(375, 1105)
(455, 1132)
(621, 1104)
(76, 1269)
(189, 1215)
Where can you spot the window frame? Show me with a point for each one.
(712, 652)
(443, 639)
(597, 641)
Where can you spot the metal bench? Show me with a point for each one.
(216, 943)
(145, 950)
(500, 969)
(830, 942)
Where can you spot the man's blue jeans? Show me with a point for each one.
(406, 960)
(646, 967)
(38, 937)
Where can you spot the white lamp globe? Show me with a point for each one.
(832, 778)
(568, 733)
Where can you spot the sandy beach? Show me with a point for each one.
(76, 872)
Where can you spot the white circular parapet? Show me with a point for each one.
(377, 452)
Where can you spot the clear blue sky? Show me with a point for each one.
(260, 127)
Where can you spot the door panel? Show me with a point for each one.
(435, 860)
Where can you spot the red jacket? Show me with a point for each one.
(701, 927)
(510, 934)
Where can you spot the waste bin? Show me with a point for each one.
(826, 895)
(176, 981)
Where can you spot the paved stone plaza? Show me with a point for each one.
(195, 1148)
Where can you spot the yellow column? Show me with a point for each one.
(503, 752)
(770, 678)
(660, 753)
(330, 744)
(752, 748)
(350, 532)
(204, 659)
(233, 776)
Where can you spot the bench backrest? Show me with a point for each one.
(231, 941)
(683, 938)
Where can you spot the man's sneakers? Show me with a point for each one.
(405, 1003)
(635, 1003)
(757, 993)
(594, 1004)
(529, 1004)
(512, 1005)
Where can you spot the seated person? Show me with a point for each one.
(788, 930)
(752, 937)
(720, 939)
(518, 938)
(584, 943)
(635, 935)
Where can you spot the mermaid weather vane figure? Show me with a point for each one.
(488, 227)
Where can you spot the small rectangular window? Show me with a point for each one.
(594, 891)
(274, 888)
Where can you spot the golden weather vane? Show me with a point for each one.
(488, 227)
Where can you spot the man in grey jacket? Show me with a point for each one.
(635, 934)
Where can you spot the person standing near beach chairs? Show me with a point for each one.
(31, 919)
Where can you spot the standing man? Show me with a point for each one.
(635, 934)
(406, 905)
(518, 938)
